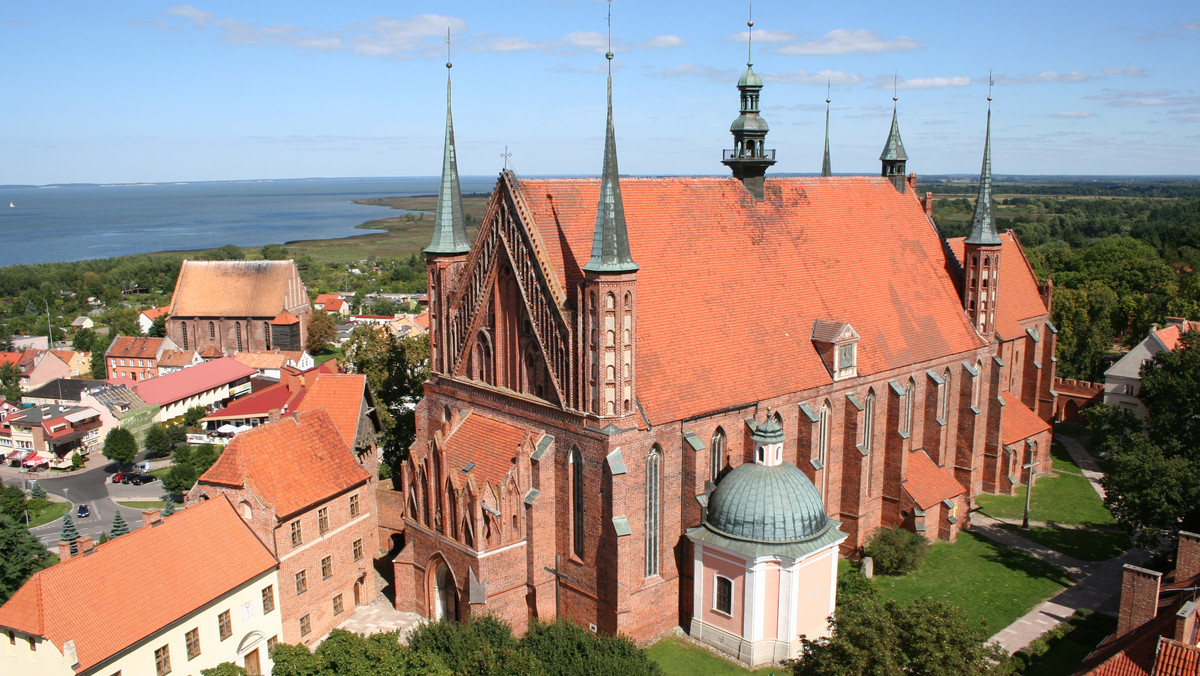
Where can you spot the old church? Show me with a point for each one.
(608, 352)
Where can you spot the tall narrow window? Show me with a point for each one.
(224, 625)
(237, 328)
(267, 334)
(869, 438)
(910, 393)
(975, 384)
(212, 331)
(323, 520)
(183, 335)
(162, 661)
(823, 434)
(723, 598)
(653, 495)
(716, 455)
(576, 461)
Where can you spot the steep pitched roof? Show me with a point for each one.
(292, 463)
(341, 395)
(262, 359)
(1176, 658)
(489, 443)
(135, 347)
(237, 289)
(199, 378)
(181, 358)
(1020, 423)
(929, 484)
(798, 255)
(155, 312)
(1169, 337)
(80, 599)
(1019, 297)
(64, 389)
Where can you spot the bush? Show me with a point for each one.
(37, 492)
(896, 551)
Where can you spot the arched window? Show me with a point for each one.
(653, 495)
(610, 301)
(628, 301)
(975, 384)
(183, 333)
(869, 438)
(237, 328)
(267, 334)
(576, 462)
(451, 511)
(716, 454)
(823, 424)
(212, 331)
(910, 393)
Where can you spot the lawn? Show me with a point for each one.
(678, 657)
(42, 512)
(1064, 496)
(1059, 651)
(1089, 544)
(987, 580)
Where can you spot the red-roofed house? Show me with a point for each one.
(146, 317)
(588, 326)
(302, 491)
(37, 367)
(233, 306)
(211, 599)
(332, 303)
(136, 357)
(1123, 380)
(208, 384)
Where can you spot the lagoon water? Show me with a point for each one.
(77, 222)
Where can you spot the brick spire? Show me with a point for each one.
(449, 226)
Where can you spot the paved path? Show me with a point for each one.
(982, 524)
(1086, 462)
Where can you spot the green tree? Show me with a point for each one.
(156, 443)
(120, 446)
(566, 648)
(1171, 393)
(85, 340)
(158, 329)
(38, 492)
(23, 556)
(176, 435)
(321, 332)
(896, 551)
(69, 532)
(273, 252)
(180, 478)
(168, 506)
(10, 381)
(224, 669)
(12, 503)
(99, 370)
(119, 525)
(193, 415)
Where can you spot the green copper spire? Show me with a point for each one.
(610, 243)
(449, 226)
(893, 150)
(826, 167)
(983, 225)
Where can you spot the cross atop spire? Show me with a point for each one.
(449, 226)
(983, 223)
(610, 241)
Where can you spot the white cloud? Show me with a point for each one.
(1135, 98)
(833, 77)
(510, 45)
(924, 82)
(764, 36)
(587, 40)
(1072, 115)
(697, 70)
(846, 41)
(1131, 71)
(1046, 76)
(663, 42)
(199, 18)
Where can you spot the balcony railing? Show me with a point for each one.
(763, 155)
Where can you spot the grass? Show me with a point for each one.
(987, 580)
(143, 504)
(326, 353)
(42, 512)
(1064, 496)
(1089, 544)
(678, 657)
(1059, 651)
(161, 472)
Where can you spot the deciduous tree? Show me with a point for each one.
(120, 446)
(321, 331)
(23, 556)
(10, 381)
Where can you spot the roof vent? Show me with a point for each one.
(470, 466)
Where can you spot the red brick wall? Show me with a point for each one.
(1139, 598)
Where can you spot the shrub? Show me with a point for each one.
(37, 492)
(896, 551)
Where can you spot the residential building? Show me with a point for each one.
(136, 357)
(78, 363)
(270, 363)
(1123, 380)
(37, 366)
(590, 391)
(181, 594)
(117, 405)
(299, 487)
(234, 306)
(177, 360)
(210, 384)
(332, 303)
(51, 434)
(146, 318)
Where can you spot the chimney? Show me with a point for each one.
(912, 182)
(928, 204)
(1185, 623)
(150, 517)
(273, 415)
(64, 551)
(1139, 598)
(1187, 560)
(1181, 322)
(83, 545)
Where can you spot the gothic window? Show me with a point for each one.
(183, 332)
(452, 514)
(1012, 372)
(576, 462)
(610, 301)
(653, 495)
(628, 301)
(944, 413)
(212, 331)
(716, 454)
(869, 437)
(237, 328)
(446, 413)
(975, 384)
(910, 392)
(267, 334)
(823, 427)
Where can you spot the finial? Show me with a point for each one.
(828, 87)
(609, 55)
(449, 63)
(506, 155)
(895, 85)
(990, 83)
(750, 34)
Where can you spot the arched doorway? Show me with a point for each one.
(444, 593)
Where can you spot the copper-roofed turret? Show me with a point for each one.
(610, 241)
(826, 166)
(983, 224)
(893, 156)
(981, 269)
(748, 158)
(449, 226)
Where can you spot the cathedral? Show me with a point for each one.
(677, 400)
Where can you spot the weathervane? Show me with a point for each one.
(990, 83)
(828, 87)
(895, 85)
(449, 63)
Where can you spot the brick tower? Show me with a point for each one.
(982, 264)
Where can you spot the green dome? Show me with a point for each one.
(750, 78)
(767, 504)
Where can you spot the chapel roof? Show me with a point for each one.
(489, 446)
(236, 289)
(705, 243)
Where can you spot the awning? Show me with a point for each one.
(35, 459)
(227, 428)
(20, 455)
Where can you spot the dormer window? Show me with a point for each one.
(846, 359)
(837, 344)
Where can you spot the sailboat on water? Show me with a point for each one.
(11, 205)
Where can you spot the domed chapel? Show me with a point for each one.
(602, 439)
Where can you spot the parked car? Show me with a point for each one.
(119, 477)
(136, 479)
(83, 511)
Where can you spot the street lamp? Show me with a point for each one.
(1028, 492)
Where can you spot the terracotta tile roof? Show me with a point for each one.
(1018, 298)
(182, 358)
(255, 405)
(929, 484)
(65, 355)
(1020, 423)
(1176, 659)
(199, 378)
(798, 256)
(334, 305)
(422, 320)
(211, 352)
(155, 312)
(1169, 336)
(323, 298)
(292, 463)
(341, 395)
(284, 318)
(490, 444)
(89, 599)
(135, 347)
(237, 289)
(262, 359)
(13, 358)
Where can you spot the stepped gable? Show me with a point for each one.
(236, 289)
(82, 599)
(705, 243)
(292, 463)
(1018, 298)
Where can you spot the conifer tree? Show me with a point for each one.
(69, 532)
(37, 492)
(169, 508)
(119, 526)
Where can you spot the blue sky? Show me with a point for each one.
(154, 91)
